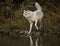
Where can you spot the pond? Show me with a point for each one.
(31, 40)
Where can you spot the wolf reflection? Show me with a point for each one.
(38, 41)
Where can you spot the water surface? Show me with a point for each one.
(31, 40)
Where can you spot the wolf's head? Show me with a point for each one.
(26, 14)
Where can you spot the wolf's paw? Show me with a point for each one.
(28, 32)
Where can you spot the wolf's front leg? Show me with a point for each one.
(31, 24)
(36, 24)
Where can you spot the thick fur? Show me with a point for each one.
(34, 16)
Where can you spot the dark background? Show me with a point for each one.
(11, 14)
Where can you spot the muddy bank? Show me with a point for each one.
(22, 33)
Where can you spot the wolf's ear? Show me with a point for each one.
(24, 10)
(27, 10)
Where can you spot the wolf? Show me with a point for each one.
(34, 16)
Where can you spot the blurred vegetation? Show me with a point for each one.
(11, 14)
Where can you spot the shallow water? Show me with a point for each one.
(31, 40)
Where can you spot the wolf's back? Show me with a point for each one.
(38, 6)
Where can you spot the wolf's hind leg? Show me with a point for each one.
(36, 24)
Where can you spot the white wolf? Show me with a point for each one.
(34, 16)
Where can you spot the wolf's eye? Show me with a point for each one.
(26, 13)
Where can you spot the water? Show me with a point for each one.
(31, 40)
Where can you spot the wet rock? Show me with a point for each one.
(23, 32)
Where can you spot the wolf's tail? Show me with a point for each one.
(38, 6)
